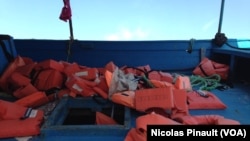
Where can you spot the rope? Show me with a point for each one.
(205, 83)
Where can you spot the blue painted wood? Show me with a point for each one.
(163, 55)
(7, 51)
(231, 49)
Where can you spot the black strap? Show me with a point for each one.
(52, 90)
(34, 75)
(202, 70)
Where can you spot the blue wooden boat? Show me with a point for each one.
(174, 56)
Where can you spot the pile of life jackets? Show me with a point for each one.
(19, 121)
(141, 88)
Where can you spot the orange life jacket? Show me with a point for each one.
(126, 98)
(27, 69)
(33, 100)
(102, 119)
(102, 88)
(49, 64)
(180, 107)
(139, 133)
(10, 111)
(108, 77)
(82, 72)
(47, 79)
(110, 66)
(70, 68)
(183, 82)
(101, 92)
(161, 76)
(208, 100)
(25, 91)
(80, 86)
(161, 84)
(139, 70)
(87, 73)
(17, 62)
(135, 135)
(207, 120)
(18, 121)
(17, 80)
(208, 67)
(48, 74)
(154, 98)
(20, 128)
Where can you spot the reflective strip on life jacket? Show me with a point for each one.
(102, 84)
(11, 111)
(154, 98)
(206, 101)
(80, 86)
(87, 73)
(183, 82)
(34, 100)
(102, 119)
(126, 98)
(18, 121)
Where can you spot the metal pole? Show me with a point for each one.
(71, 40)
(221, 15)
(71, 30)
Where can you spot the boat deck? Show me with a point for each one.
(237, 100)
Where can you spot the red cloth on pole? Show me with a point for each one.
(66, 11)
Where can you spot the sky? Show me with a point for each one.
(125, 19)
